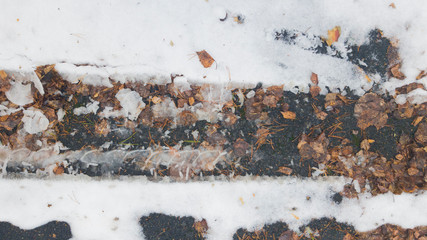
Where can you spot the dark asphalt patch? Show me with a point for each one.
(49, 231)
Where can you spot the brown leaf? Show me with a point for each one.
(156, 100)
(395, 71)
(333, 35)
(270, 101)
(314, 91)
(314, 78)
(4, 82)
(288, 235)
(421, 75)
(412, 171)
(421, 134)
(285, 170)
(276, 91)
(41, 71)
(313, 148)
(187, 118)
(9, 122)
(289, 115)
(102, 128)
(229, 119)
(408, 88)
(321, 115)
(58, 170)
(205, 58)
(370, 110)
(201, 227)
(31, 142)
(240, 147)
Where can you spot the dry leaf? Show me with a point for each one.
(412, 171)
(421, 75)
(289, 115)
(3, 74)
(156, 100)
(285, 170)
(314, 91)
(58, 170)
(205, 58)
(270, 101)
(370, 110)
(417, 120)
(333, 35)
(191, 101)
(201, 227)
(421, 133)
(392, 5)
(314, 78)
(395, 71)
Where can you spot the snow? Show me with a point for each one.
(131, 102)
(34, 121)
(20, 94)
(149, 41)
(91, 107)
(226, 206)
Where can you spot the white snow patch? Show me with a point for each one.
(34, 121)
(131, 103)
(226, 206)
(19, 94)
(152, 40)
(91, 107)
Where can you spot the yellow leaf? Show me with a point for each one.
(241, 200)
(333, 35)
(417, 120)
(289, 115)
(205, 58)
(295, 216)
(3, 74)
(191, 101)
(156, 100)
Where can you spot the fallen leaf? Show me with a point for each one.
(191, 101)
(395, 71)
(421, 75)
(417, 120)
(314, 91)
(288, 235)
(102, 128)
(412, 171)
(4, 82)
(270, 101)
(289, 115)
(3, 74)
(333, 35)
(313, 148)
(187, 118)
(205, 58)
(370, 110)
(58, 170)
(314, 78)
(241, 147)
(392, 5)
(156, 100)
(285, 170)
(201, 227)
(421, 133)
